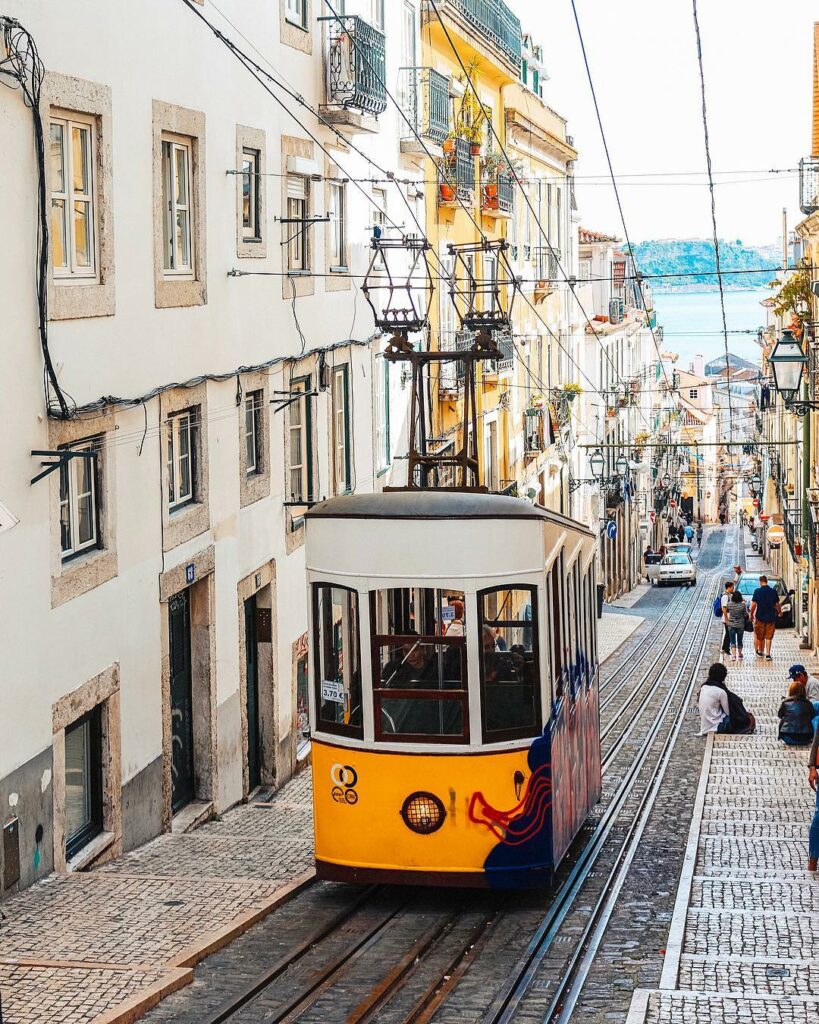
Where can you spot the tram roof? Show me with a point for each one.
(436, 504)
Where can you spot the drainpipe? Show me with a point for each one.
(806, 637)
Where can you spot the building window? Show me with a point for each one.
(83, 781)
(295, 11)
(490, 449)
(301, 448)
(73, 205)
(378, 14)
(338, 226)
(254, 403)
(181, 460)
(79, 510)
(298, 210)
(177, 206)
(251, 219)
(341, 430)
(693, 392)
(382, 413)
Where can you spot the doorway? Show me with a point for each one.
(254, 731)
(181, 694)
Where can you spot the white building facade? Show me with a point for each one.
(215, 371)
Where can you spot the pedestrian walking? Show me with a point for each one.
(720, 608)
(765, 611)
(796, 717)
(699, 535)
(735, 616)
(813, 832)
(737, 574)
(689, 533)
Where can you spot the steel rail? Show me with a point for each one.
(571, 983)
(503, 1007)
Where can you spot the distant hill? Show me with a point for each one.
(694, 258)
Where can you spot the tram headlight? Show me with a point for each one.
(423, 813)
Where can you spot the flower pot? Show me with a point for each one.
(447, 192)
(448, 145)
(474, 149)
(490, 197)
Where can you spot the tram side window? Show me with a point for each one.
(557, 630)
(510, 670)
(419, 665)
(337, 660)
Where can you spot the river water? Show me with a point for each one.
(692, 323)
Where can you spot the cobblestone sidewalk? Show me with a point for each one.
(613, 630)
(741, 946)
(106, 945)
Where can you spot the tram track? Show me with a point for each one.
(571, 978)
(388, 959)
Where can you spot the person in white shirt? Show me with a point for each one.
(713, 701)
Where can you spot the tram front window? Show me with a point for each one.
(338, 660)
(510, 672)
(419, 684)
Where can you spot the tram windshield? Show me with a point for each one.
(510, 674)
(419, 664)
(338, 660)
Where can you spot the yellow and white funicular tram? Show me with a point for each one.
(454, 687)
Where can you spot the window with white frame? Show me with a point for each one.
(380, 217)
(301, 448)
(382, 412)
(177, 205)
(378, 14)
(338, 226)
(341, 430)
(181, 459)
(251, 209)
(295, 11)
(73, 203)
(490, 449)
(298, 210)
(254, 406)
(79, 509)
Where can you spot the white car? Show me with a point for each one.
(677, 568)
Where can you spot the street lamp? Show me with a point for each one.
(621, 465)
(666, 481)
(597, 464)
(787, 363)
(756, 482)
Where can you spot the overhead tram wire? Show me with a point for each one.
(514, 174)
(713, 208)
(614, 179)
(253, 68)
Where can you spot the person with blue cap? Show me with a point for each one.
(799, 674)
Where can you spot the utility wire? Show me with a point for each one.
(713, 205)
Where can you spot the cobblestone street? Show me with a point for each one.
(108, 944)
(740, 946)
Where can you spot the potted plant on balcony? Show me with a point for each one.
(571, 390)
(448, 145)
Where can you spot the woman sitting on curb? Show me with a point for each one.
(721, 710)
(796, 717)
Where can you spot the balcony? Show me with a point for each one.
(492, 22)
(498, 197)
(456, 178)
(809, 185)
(356, 74)
(506, 346)
(535, 436)
(451, 375)
(424, 98)
(547, 271)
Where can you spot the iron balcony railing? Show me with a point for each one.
(458, 171)
(356, 64)
(547, 263)
(506, 346)
(498, 194)
(451, 375)
(809, 184)
(424, 95)
(792, 521)
(496, 22)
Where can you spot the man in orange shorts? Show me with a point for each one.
(765, 611)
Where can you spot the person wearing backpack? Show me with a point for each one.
(720, 607)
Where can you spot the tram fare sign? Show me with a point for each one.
(332, 690)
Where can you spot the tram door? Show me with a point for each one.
(254, 739)
(182, 777)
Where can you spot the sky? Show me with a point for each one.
(642, 53)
